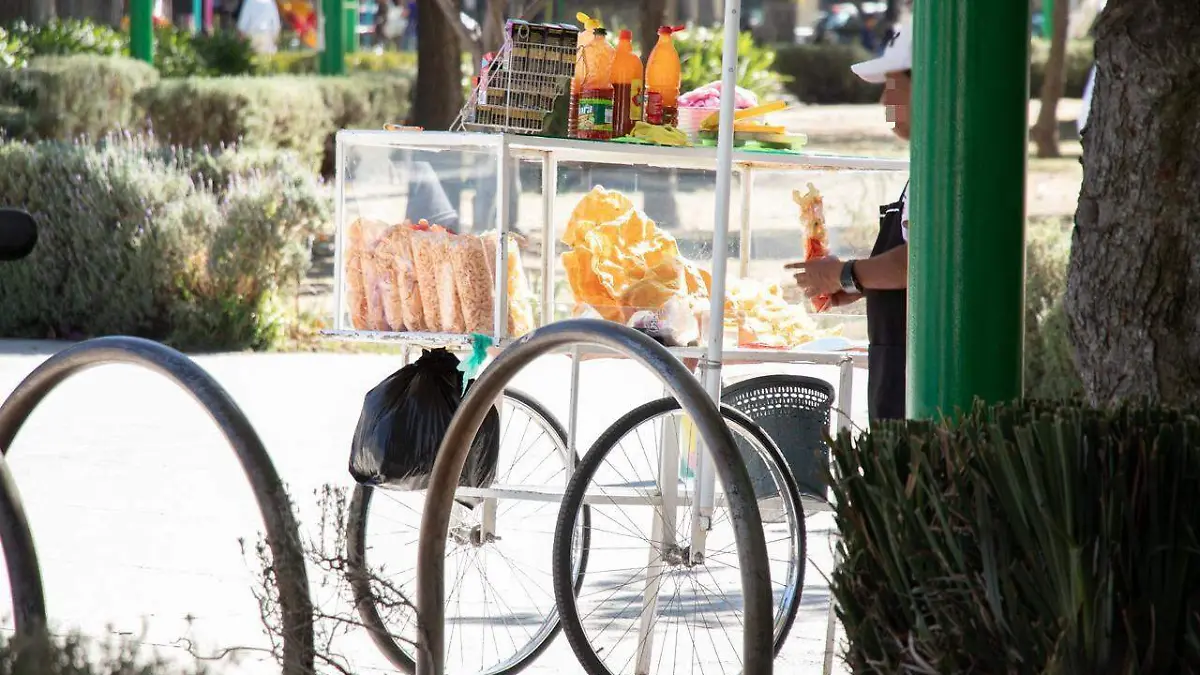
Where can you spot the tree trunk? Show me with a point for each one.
(653, 15)
(1133, 287)
(1045, 132)
(32, 11)
(438, 95)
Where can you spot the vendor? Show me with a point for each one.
(881, 279)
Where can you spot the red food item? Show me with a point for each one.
(816, 242)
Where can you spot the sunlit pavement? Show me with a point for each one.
(138, 504)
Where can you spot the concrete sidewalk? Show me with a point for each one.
(138, 504)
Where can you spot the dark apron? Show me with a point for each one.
(887, 330)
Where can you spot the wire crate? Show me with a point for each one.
(520, 89)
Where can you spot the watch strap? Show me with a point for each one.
(849, 279)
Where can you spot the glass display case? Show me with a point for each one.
(444, 235)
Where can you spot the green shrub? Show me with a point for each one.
(1050, 371)
(306, 63)
(67, 37)
(131, 244)
(1030, 538)
(700, 52)
(225, 52)
(295, 113)
(82, 95)
(12, 52)
(279, 112)
(175, 53)
(820, 73)
(74, 654)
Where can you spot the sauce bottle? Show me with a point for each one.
(663, 73)
(627, 76)
(594, 120)
(585, 38)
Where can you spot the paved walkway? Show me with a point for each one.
(138, 505)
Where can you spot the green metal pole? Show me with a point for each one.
(351, 25)
(967, 257)
(141, 30)
(1048, 19)
(333, 59)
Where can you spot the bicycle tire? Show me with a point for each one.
(571, 623)
(359, 579)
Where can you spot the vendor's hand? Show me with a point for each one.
(822, 276)
(842, 298)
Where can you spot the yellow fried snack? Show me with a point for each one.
(621, 261)
(599, 206)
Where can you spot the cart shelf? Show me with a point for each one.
(371, 184)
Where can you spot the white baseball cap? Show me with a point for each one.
(896, 57)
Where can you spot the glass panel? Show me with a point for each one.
(418, 250)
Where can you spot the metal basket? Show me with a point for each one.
(521, 87)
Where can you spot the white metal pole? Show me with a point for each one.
(711, 364)
(720, 246)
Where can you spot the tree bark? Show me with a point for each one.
(653, 15)
(1045, 131)
(1133, 286)
(438, 96)
(32, 11)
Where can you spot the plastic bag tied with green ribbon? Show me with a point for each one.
(471, 366)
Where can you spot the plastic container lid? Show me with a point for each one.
(625, 34)
(667, 30)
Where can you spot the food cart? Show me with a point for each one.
(553, 501)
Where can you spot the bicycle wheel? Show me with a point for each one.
(614, 622)
(495, 576)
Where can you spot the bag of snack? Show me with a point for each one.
(447, 288)
(816, 239)
(425, 266)
(520, 297)
(361, 238)
(474, 283)
(402, 298)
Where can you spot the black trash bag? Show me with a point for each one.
(404, 419)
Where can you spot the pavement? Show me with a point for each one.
(138, 505)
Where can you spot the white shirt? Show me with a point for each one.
(904, 217)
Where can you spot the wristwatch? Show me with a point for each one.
(849, 279)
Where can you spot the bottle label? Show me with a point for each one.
(635, 101)
(595, 114)
(653, 114)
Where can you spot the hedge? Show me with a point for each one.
(131, 243)
(1033, 537)
(820, 73)
(295, 113)
(64, 97)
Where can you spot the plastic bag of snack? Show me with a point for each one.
(449, 307)
(401, 298)
(361, 238)
(425, 264)
(816, 237)
(375, 281)
(520, 297)
(474, 282)
(404, 419)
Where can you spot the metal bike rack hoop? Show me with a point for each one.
(283, 535)
(452, 455)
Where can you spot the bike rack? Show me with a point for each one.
(24, 572)
(452, 455)
(283, 535)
